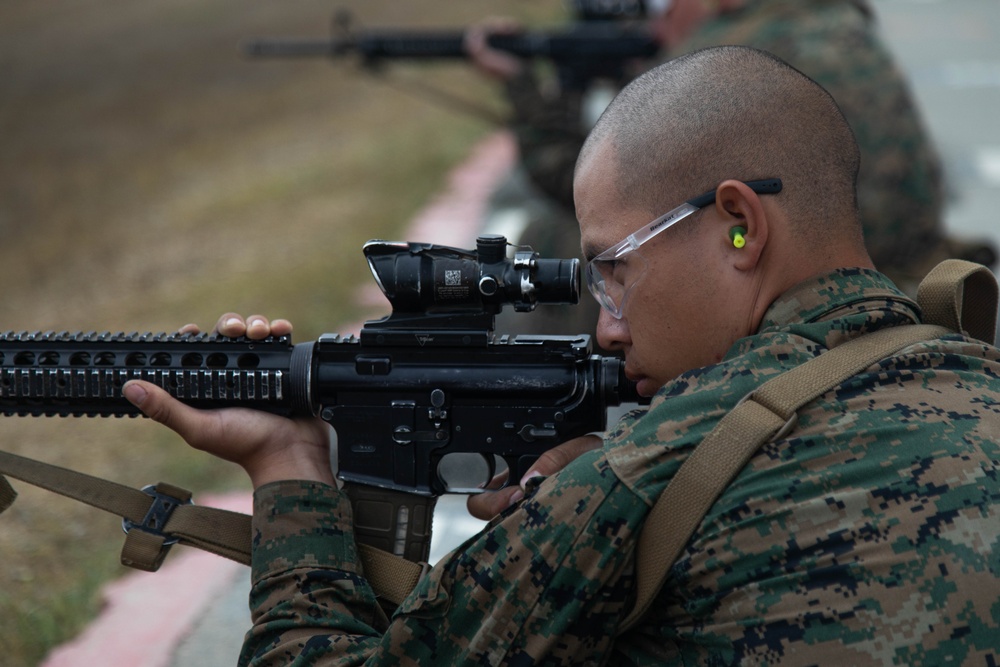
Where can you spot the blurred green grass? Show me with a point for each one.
(150, 176)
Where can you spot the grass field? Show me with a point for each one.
(151, 176)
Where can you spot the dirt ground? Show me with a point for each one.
(151, 175)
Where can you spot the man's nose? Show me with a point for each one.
(612, 333)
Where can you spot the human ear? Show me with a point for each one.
(745, 223)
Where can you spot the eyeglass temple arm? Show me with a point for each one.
(770, 186)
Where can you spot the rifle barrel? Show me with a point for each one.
(591, 42)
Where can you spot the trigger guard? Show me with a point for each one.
(440, 478)
(491, 466)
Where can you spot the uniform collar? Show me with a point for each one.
(836, 295)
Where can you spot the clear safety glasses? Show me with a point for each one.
(606, 272)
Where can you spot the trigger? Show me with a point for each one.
(519, 466)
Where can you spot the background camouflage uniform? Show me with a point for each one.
(835, 42)
(870, 535)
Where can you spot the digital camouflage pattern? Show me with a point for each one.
(834, 42)
(869, 536)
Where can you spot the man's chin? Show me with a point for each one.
(646, 387)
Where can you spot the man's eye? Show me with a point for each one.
(617, 264)
(607, 266)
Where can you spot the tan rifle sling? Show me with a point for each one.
(157, 517)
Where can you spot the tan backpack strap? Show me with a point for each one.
(955, 296)
(766, 413)
(390, 576)
(961, 296)
(157, 517)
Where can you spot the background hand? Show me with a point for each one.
(493, 62)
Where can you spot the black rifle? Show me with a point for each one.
(583, 52)
(427, 384)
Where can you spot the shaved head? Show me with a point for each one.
(682, 128)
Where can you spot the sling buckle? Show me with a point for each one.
(159, 512)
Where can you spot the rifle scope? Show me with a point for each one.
(426, 278)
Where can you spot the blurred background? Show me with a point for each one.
(151, 175)
(950, 52)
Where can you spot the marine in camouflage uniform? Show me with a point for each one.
(870, 535)
(867, 535)
(834, 42)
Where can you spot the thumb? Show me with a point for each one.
(163, 408)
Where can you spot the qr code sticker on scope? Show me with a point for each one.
(452, 278)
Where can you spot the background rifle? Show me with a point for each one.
(428, 382)
(582, 52)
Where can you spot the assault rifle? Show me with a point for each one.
(428, 382)
(583, 52)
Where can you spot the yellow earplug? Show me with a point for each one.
(736, 234)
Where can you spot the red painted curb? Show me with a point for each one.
(146, 614)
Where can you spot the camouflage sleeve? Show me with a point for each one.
(309, 601)
(546, 583)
